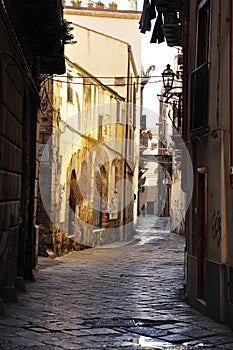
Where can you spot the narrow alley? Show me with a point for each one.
(120, 296)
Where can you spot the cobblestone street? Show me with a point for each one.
(121, 296)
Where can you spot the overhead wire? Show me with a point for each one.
(106, 85)
(103, 143)
(111, 77)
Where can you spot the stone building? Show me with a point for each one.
(120, 25)
(174, 199)
(204, 29)
(91, 164)
(210, 239)
(30, 45)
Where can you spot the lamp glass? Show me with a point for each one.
(168, 77)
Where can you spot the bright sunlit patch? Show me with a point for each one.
(161, 345)
(152, 343)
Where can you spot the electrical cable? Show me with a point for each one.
(110, 77)
(106, 85)
(95, 141)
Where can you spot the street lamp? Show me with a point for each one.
(173, 93)
(168, 78)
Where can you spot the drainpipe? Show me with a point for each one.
(184, 178)
(30, 244)
(185, 127)
(126, 134)
(185, 74)
(231, 99)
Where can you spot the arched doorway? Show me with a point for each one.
(72, 203)
(72, 190)
(75, 197)
(100, 217)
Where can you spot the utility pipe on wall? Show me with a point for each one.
(184, 178)
(185, 72)
(126, 135)
(231, 100)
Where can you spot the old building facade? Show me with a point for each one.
(204, 29)
(173, 201)
(210, 217)
(92, 130)
(24, 55)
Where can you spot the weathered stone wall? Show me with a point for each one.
(18, 104)
(53, 242)
(55, 237)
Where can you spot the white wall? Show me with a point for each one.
(119, 25)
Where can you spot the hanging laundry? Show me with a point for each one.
(148, 13)
(157, 35)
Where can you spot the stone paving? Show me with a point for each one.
(124, 296)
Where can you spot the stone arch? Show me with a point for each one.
(75, 194)
(103, 183)
(115, 174)
(72, 195)
(75, 199)
(100, 217)
(72, 202)
(84, 180)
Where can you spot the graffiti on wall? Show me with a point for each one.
(216, 226)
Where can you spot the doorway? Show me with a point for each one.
(72, 203)
(201, 231)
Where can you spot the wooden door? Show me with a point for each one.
(201, 231)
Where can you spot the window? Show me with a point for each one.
(199, 100)
(69, 88)
(203, 32)
(134, 105)
(120, 81)
(200, 77)
(130, 100)
(100, 129)
(154, 146)
(87, 100)
(118, 112)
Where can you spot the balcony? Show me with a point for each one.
(173, 20)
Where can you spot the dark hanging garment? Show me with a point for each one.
(152, 10)
(157, 35)
(148, 13)
(144, 23)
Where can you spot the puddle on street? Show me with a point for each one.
(160, 345)
(152, 343)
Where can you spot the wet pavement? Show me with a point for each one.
(113, 297)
